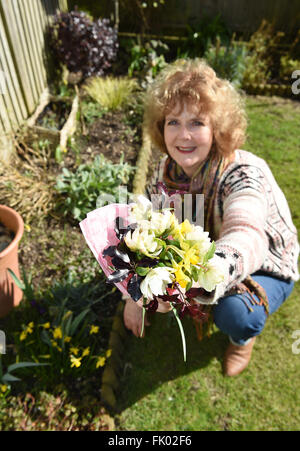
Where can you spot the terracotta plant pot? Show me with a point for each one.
(10, 294)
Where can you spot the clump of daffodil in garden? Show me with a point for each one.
(60, 331)
(71, 346)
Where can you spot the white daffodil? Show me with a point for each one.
(140, 209)
(212, 275)
(160, 222)
(143, 241)
(197, 237)
(156, 281)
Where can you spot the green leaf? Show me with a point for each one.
(78, 320)
(18, 365)
(10, 378)
(58, 154)
(169, 256)
(16, 280)
(195, 274)
(45, 338)
(189, 285)
(68, 325)
(210, 253)
(142, 271)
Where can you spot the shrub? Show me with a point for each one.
(201, 34)
(83, 45)
(260, 60)
(82, 189)
(110, 92)
(148, 59)
(229, 62)
(288, 66)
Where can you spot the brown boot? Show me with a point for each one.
(237, 358)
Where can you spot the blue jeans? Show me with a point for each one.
(234, 318)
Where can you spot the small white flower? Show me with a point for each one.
(160, 222)
(140, 209)
(156, 281)
(143, 241)
(212, 275)
(198, 237)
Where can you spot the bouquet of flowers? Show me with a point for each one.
(151, 257)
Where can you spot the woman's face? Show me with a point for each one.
(188, 136)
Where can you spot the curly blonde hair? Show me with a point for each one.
(193, 80)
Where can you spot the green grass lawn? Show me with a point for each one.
(160, 392)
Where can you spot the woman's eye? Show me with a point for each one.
(197, 123)
(172, 122)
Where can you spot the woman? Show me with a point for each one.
(199, 122)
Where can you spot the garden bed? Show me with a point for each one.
(60, 268)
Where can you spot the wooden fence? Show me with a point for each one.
(172, 17)
(23, 73)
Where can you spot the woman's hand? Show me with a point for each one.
(133, 317)
(163, 307)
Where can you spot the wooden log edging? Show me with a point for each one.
(57, 137)
(268, 89)
(114, 368)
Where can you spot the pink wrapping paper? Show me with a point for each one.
(98, 231)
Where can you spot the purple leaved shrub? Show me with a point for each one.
(83, 45)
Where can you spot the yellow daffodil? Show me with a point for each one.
(57, 333)
(185, 227)
(67, 339)
(55, 345)
(30, 327)
(180, 232)
(75, 361)
(191, 257)
(74, 350)
(180, 277)
(94, 329)
(28, 330)
(66, 315)
(100, 361)
(86, 351)
(108, 353)
(23, 335)
(46, 325)
(3, 388)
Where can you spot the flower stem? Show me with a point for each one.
(143, 319)
(181, 331)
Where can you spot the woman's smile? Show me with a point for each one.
(186, 149)
(188, 136)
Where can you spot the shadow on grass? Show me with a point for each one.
(158, 357)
